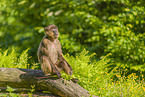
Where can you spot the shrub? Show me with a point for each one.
(13, 59)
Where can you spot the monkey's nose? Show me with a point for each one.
(55, 31)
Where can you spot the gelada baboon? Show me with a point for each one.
(50, 54)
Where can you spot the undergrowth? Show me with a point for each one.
(95, 76)
(100, 80)
(15, 60)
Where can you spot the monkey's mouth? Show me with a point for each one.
(56, 36)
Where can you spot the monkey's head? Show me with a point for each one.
(51, 31)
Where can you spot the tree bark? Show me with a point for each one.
(24, 78)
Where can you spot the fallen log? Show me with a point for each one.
(24, 78)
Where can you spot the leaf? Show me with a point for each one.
(32, 5)
(22, 2)
(3, 95)
(41, 30)
(9, 89)
(135, 13)
(127, 9)
(11, 20)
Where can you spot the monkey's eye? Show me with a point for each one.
(55, 31)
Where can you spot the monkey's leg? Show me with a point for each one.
(58, 66)
(63, 60)
(65, 67)
(45, 66)
(67, 70)
(54, 69)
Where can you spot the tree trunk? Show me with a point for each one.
(24, 78)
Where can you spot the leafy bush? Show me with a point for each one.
(100, 26)
(98, 79)
(13, 59)
(94, 76)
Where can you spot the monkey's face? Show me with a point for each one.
(55, 33)
(51, 31)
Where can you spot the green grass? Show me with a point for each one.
(94, 76)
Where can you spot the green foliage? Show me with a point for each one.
(124, 40)
(12, 94)
(10, 90)
(100, 26)
(14, 60)
(94, 76)
(32, 90)
(98, 79)
(23, 59)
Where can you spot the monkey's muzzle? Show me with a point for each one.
(55, 33)
(56, 36)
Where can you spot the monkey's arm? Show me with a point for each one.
(63, 59)
(60, 54)
(44, 50)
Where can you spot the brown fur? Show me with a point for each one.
(50, 54)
